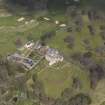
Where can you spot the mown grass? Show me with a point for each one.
(8, 21)
(9, 36)
(56, 80)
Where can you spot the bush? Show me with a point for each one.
(70, 41)
(80, 99)
(47, 36)
(76, 83)
(91, 29)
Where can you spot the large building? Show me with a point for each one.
(23, 56)
(53, 56)
(27, 63)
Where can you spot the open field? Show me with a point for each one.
(9, 27)
(58, 77)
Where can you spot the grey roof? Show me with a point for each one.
(52, 51)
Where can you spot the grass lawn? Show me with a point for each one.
(55, 79)
(58, 41)
(8, 35)
(8, 21)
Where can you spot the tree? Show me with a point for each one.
(29, 4)
(91, 29)
(47, 36)
(80, 99)
(38, 90)
(31, 37)
(76, 56)
(79, 22)
(60, 102)
(34, 77)
(103, 103)
(18, 42)
(71, 11)
(70, 41)
(20, 82)
(67, 94)
(96, 73)
(102, 33)
(76, 83)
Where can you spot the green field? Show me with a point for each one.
(58, 77)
